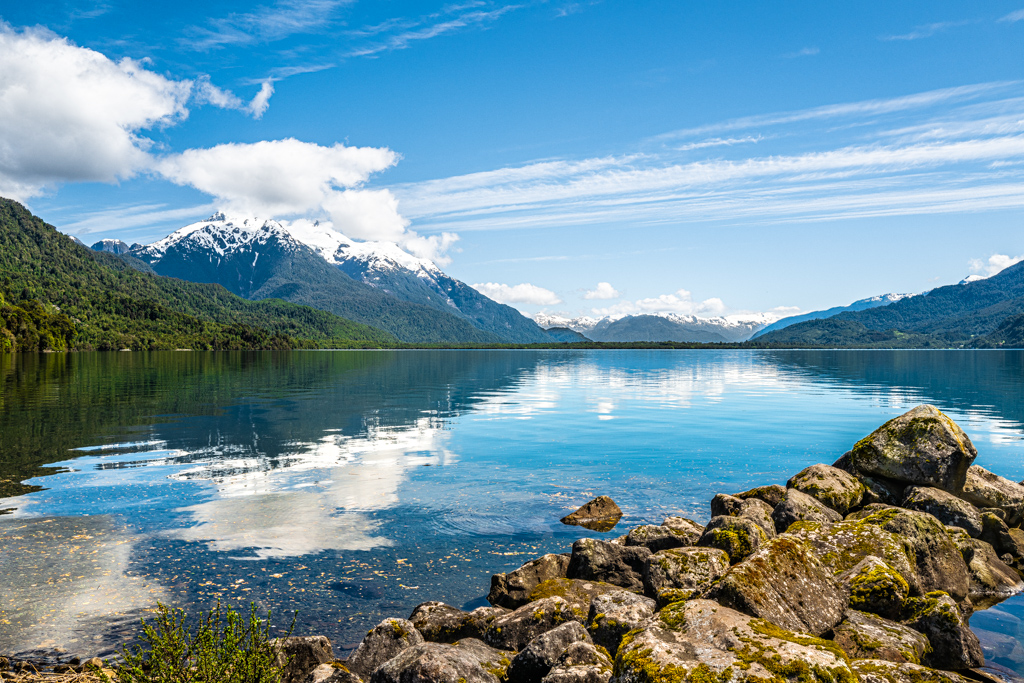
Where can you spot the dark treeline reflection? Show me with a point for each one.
(52, 403)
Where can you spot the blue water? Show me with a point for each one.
(348, 486)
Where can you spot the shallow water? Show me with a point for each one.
(352, 485)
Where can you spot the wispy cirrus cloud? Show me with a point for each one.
(1017, 15)
(925, 30)
(805, 52)
(265, 23)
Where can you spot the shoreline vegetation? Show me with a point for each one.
(865, 570)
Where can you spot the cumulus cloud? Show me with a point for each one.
(524, 293)
(604, 290)
(206, 92)
(994, 264)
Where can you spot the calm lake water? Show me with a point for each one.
(349, 486)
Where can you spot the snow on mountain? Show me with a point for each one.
(733, 328)
(971, 278)
(111, 246)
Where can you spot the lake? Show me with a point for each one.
(348, 486)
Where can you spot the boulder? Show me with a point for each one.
(881, 671)
(581, 663)
(383, 642)
(990, 577)
(691, 571)
(493, 660)
(785, 584)
(656, 538)
(704, 641)
(944, 507)
(331, 673)
(432, 663)
(539, 656)
(922, 447)
(875, 587)
(868, 636)
(754, 509)
(797, 506)
(576, 592)
(689, 528)
(299, 655)
(513, 589)
(737, 536)
(1005, 540)
(613, 615)
(831, 486)
(600, 514)
(441, 623)
(869, 510)
(594, 560)
(513, 631)
(983, 489)
(881, 490)
(772, 495)
(953, 644)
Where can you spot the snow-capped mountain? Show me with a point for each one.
(860, 305)
(376, 283)
(111, 247)
(661, 327)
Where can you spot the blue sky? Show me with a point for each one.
(697, 157)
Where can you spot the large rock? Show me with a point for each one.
(299, 655)
(1005, 540)
(441, 623)
(874, 586)
(944, 507)
(540, 655)
(953, 644)
(831, 486)
(754, 509)
(705, 642)
(880, 671)
(433, 663)
(600, 514)
(881, 490)
(737, 536)
(772, 494)
(867, 636)
(576, 592)
(786, 584)
(383, 642)
(513, 589)
(656, 538)
(984, 489)
(690, 571)
(921, 447)
(613, 615)
(797, 506)
(493, 660)
(690, 529)
(990, 576)
(580, 663)
(331, 673)
(514, 630)
(594, 560)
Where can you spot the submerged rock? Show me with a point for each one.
(688, 571)
(772, 494)
(868, 636)
(875, 587)
(581, 663)
(656, 538)
(383, 642)
(433, 662)
(690, 530)
(922, 447)
(800, 507)
(594, 560)
(983, 489)
(513, 589)
(953, 644)
(299, 655)
(600, 514)
(945, 507)
(613, 615)
(540, 655)
(737, 536)
(513, 631)
(830, 486)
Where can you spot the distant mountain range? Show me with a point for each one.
(655, 328)
(861, 305)
(375, 283)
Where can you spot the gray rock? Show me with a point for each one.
(331, 673)
(983, 489)
(867, 636)
(880, 671)
(613, 615)
(689, 528)
(656, 538)
(513, 589)
(581, 663)
(441, 623)
(881, 490)
(772, 494)
(1005, 540)
(539, 656)
(594, 560)
(953, 644)
(944, 507)
(576, 592)
(921, 447)
(493, 660)
(990, 576)
(754, 509)
(383, 642)
(600, 514)
(689, 571)
(797, 506)
(299, 655)
(785, 583)
(869, 510)
(830, 486)
(432, 663)
(737, 536)
(514, 630)
(875, 587)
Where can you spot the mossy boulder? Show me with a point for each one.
(493, 660)
(882, 490)
(656, 538)
(991, 578)
(881, 671)
(829, 485)
(786, 584)
(953, 644)
(708, 643)
(299, 655)
(599, 514)
(619, 565)
(944, 507)
(535, 660)
(875, 587)
(576, 592)
(797, 506)
(384, 641)
(514, 630)
(772, 494)
(689, 571)
(441, 623)
(613, 615)
(922, 447)
(1005, 540)
(434, 662)
(983, 489)
(869, 636)
(690, 529)
(581, 663)
(737, 536)
(754, 509)
(513, 589)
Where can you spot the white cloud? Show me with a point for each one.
(426, 27)
(925, 31)
(805, 52)
(718, 142)
(524, 293)
(206, 92)
(604, 290)
(680, 302)
(994, 264)
(264, 23)
(1016, 15)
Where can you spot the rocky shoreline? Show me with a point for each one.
(865, 570)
